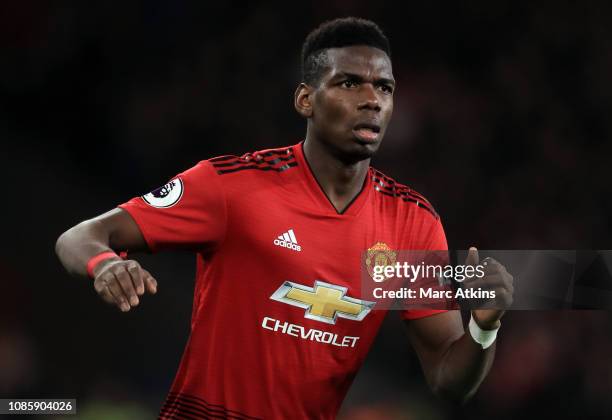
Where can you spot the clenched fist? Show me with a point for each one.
(496, 279)
(120, 282)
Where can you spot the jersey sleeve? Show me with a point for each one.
(189, 212)
(435, 241)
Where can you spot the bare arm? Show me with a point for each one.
(117, 281)
(453, 363)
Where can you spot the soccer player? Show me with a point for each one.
(278, 329)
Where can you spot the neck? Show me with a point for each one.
(340, 180)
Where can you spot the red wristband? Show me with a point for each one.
(97, 259)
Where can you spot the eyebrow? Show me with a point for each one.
(381, 80)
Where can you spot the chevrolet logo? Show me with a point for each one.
(324, 302)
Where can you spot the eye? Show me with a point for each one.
(349, 83)
(386, 88)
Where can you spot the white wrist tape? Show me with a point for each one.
(483, 337)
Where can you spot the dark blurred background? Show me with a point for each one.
(502, 119)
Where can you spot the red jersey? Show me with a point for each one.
(278, 328)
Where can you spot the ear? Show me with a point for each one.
(303, 100)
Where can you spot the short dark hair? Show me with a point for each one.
(338, 33)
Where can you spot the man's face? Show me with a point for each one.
(353, 103)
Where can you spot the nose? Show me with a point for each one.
(369, 97)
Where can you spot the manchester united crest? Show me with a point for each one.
(379, 254)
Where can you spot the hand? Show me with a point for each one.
(496, 279)
(120, 282)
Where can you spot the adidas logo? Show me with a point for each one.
(288, 240)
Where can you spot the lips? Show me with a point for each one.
(367, 132)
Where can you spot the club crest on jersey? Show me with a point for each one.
(324, 302)
(165, 196)
(379, 254)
